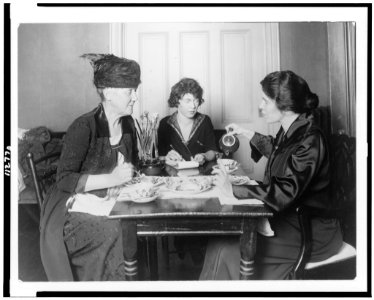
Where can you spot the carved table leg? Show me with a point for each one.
(152, 256)
(165, 250)
(248, 249)
(130, 247)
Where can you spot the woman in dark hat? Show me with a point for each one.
(297, 172)
(99, 152)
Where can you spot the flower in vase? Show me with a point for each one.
(146, 129)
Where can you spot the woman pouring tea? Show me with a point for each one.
(297, 172)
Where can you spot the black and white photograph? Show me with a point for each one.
(187, 148)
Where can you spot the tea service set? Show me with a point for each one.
(143, 189)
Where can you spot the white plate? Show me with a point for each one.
(228, 171)
(145, 200)
(190, 192)
(138, 200)
(239, 180)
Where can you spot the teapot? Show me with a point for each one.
(228, 143)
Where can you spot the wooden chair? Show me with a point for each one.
(339, 266)
(39, 179)
(343, 196)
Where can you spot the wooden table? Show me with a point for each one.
(182, 217)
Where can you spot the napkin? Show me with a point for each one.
(90, 204)
(228, 198)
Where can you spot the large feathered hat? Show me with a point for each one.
(113, 71)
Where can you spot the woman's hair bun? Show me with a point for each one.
(311, 101)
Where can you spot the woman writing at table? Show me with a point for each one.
(187, 134)
(98, 154)
(297, 172)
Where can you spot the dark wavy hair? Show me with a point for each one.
(185, 86)
(290, 92)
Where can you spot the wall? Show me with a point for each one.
(304, 50)
(54, 83)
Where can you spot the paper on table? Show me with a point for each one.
(183, 164)
(90, 204)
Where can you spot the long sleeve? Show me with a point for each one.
(286, 187)
(76, 143)
(261, 145)
(163, 140)
(135, 150)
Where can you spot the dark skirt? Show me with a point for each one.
(275, 256)
(79, 246)
(94, 246)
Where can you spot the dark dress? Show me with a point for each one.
(201, 138)
(78, 246)
(297, 172)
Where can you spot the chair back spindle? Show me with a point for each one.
(38, 179)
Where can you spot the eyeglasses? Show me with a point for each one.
(196, 102)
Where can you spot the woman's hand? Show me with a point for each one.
(236, 129)
(174, 156)
(222, 179)
(200, 158)
(122, 173)
(113, 192)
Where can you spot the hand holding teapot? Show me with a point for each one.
(235, 129)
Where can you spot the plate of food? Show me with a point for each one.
(239, 180)
(142, 192)
(189, 185)
(156, 180)
(231, 165)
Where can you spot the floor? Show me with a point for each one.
(31, 269)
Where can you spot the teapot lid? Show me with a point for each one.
(228, 139)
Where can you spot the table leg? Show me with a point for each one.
(165, 250)
(130, 248)
(248, 249)
(152, 256)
